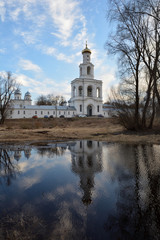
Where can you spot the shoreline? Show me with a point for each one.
(29, 131)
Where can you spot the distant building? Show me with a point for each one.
(86, 97)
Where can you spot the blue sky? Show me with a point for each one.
(41, 43)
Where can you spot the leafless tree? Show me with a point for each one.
(50, 99)
(136, 41)
(8, 85)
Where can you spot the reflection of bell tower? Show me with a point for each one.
(86, 162)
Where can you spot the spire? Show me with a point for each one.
(86, 49)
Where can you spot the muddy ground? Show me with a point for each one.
(38, 130)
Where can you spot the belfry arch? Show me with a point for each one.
(98, 92)
(88, 70)
(89, 91)
(80, 91)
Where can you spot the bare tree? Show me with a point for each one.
(50, 99)
(42, 100)
(8, 85)
(136, 41)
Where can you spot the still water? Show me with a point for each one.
(80, 190)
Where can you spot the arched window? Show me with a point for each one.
(89, 91)
(74, 91)
(80, 89)
(98, 92)
(88, 70)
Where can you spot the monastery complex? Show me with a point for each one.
(86, 97)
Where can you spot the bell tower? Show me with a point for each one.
(86, 68)
(86, 92)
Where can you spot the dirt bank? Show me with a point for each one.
(26, 130)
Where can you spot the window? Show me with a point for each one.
(80, 108)
(80, 144)
(18, 112)
(48, 113)
(89, 161)
(23, 112)
(80, 89)
(59, 112)
(88, 70)
(53, 112)
(64, 113)
(89, 91)
(80, 162)
(35, 112)
(89, 144)
(74, 91)
(68, 113)
(73, 113)
(41, 112)
(80, 70)
(98, 108)
(98, 92)
(10, 112)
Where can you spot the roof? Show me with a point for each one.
(86, 50)
(45, 107)
(27, 94)
(17, 91)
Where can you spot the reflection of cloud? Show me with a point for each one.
(28, 182)
(66, 227)
(44, 162)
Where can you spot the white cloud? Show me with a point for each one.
(2, 50)
(65, 14)
(2, 10)
(25, 80)
(29, 66)
(44, 86)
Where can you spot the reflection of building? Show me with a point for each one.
(27, 153)
(86, 162)
(17, 155)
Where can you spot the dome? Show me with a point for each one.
(27, 94)
(86, 50)
(18, 91)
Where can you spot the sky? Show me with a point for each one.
(41, 43)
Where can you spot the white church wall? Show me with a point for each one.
(26, 112)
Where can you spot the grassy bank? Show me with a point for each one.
(18, 130)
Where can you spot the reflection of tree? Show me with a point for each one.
(51, 152)
(24, 225)
(8, 168)
(137, 213)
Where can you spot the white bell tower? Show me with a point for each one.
(86, 92)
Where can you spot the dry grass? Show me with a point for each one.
(20, 130)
